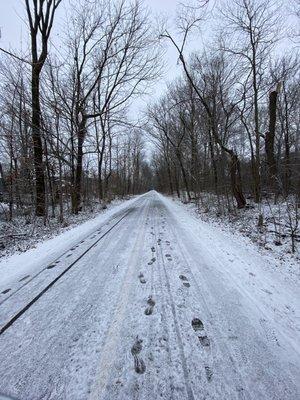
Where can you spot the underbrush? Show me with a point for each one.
(273, 227)
(25, 230)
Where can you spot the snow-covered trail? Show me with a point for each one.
(162, 307)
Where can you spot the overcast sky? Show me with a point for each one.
(15, 34)
(13, 11)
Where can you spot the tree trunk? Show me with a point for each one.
(185, 181)
(77, 188)
(236, 182)
(287, 167)
(269, 141)
(37, 145)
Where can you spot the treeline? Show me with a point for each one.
(230, 126)
(66, 138)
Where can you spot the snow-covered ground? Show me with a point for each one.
(272, 238)
(24, 232)
(164, 306)
(45, 251)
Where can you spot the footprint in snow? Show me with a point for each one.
(139, 365)
(197, 325)
(151, 304)
(185, 280)
(153, 249)
(169, 257)
(142, 278)
(208, 373)
(152, 261)
(204, 340)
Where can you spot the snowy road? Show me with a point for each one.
(159, 307)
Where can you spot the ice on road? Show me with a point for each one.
(156, 305)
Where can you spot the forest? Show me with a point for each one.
(224, 134)
(149, 199)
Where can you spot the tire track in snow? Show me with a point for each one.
(152, 327)
(244, 391)
(58, 259)
(218, 344)
(52, 353)
(188, 388)
(108, 355)
(25, 308)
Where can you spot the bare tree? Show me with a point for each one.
(252, 28)
(112, 58)
(40, 15)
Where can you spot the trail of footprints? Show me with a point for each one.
(197, 324)
(139, 364)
